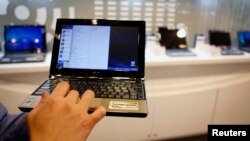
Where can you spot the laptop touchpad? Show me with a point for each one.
(95, 103)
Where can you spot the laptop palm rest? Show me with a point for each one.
(115, 107)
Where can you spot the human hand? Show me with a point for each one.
(63, 116)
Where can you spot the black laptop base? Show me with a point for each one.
(107, 91)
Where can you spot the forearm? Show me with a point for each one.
(12, 127)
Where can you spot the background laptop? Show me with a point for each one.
(24, 43)
(175, 46)
(244, 40)
(104, 55)
(222, 39)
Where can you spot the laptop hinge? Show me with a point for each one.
(52, 76)
(81, 77)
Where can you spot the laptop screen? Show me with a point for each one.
(170, 39)
(219, 38)
(24, 39)
(244, 38)
(99, 47)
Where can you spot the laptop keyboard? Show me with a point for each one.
(116, 89)
(232, 51)
(15, 58)
(180, 52)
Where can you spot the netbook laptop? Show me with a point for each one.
(175, 46)
(24, 43)
(222, 39)
(244, 40)
(106, 56)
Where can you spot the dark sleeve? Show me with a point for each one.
(13, 127)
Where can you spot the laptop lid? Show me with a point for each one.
(98, 48)
(171, 39)
(20, 39)
(244, 39)
(219, 38)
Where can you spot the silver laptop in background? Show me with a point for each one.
(222, 39)
(24, 43)
(107, 56)
(244, 40)
(175, 46)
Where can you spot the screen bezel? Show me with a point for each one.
(44, 50)
(98, 73)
